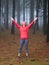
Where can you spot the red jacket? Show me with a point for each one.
(23, 30)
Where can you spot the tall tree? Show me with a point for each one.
(44, 16)
(47, 32)
(32, 13)
(23, 10)
(47, 39)
(37, 10)
(6, 15)
(18, 11)
(31, 10)
(13, 27)
(0, 12)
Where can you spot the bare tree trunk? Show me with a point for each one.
(6, 15)
(0, 12)
(31, 10)
(32, 13)
(44, 16)
(37, 10)
(13, 27)
(18, 11)
(48, 32)
(23, 10)
(47, 39)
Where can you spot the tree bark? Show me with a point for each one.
(47, 39)
(37, 10)
(44, 16)
(13, 27)
(0, 12)
(6, 15)
(23, 10)
(31, 10)
(18, 11)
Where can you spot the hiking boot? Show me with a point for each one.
(18, 58)
(26, 57)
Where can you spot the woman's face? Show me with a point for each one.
(24, 23)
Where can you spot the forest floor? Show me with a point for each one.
(38, 49)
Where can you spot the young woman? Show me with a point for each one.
(24, 39)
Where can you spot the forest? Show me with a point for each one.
(24, 10)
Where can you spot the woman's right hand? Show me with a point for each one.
(12, 19)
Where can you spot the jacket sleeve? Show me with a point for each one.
(30, 25)
(17, 25)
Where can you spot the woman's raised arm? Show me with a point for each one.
(15, 22)
(33, 22)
